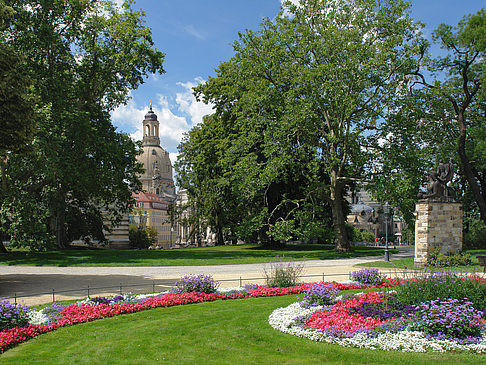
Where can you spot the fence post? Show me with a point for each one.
(153, 286)
(240, 282)
(88, 291)
(53, 299)
(323, 278)
(15, 298)
(121, 289)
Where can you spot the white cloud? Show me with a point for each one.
(194, 32)
(174, 120)
(188, 103)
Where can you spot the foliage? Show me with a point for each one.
(82, 58)
(475, 236)
(196, 284)
(368, 276)
(139, 237)
(436, 257)
(442, 286)
(304, 94)
(16, 102)
(281, 273)
(318, 294)
(12, 315)
(448, 318)
(152, 235)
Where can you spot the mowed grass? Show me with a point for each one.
(223, 332)
(408, 263)
(219, 255)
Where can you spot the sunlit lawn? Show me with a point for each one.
(408, 263)
(223, 332)
(219, 255)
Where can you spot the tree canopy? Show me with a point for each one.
(306, 94)
(82, 58)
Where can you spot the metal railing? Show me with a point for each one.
(119, 289)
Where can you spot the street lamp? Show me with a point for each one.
(386, 212)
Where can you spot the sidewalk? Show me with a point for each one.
(29, 280)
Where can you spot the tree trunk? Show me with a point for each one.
(57, 227)
(468, 171)
(4, 188)
(3, 249)
(338, 219)
(219, 232)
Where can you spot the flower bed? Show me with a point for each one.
(56, 316)
(448, 325)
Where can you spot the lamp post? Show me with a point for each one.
(386, 211)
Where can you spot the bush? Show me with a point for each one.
(448, 318)
(368, 277)
(475, 236)
(367, 236)
(282, 273)
(439, 259)
(199, 284)
(12, 315)
(443, 285)
(318, 294)
(138, 237)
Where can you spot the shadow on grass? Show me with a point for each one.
(219, 255)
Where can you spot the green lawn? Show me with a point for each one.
(220, 255)
(409, 264)
(223, 332)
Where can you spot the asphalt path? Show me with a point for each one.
(36, 284)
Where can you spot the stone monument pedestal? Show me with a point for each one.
(437, 225)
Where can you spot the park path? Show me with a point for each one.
(26, 281)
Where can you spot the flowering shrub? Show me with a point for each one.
(443, 285)
(439, 259)
(196, 283)
(448, 319)
(12, 315)
(318, 294)
(368, 277)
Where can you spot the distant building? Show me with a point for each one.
(151, 211)
(151, 207)
(367, 214)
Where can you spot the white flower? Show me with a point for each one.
(282, 319)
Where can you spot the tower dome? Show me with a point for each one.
(157, 177)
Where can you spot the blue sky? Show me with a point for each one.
(197, 35)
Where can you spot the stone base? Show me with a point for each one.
(437, 225)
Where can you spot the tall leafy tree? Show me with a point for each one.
(457, 84)
(83, 57)
(316, 81)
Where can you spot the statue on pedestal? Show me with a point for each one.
(437, 188)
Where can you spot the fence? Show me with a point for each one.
(119, 289)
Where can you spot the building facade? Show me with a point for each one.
(367, 214)
(158, 189)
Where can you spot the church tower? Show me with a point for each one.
(157, 178)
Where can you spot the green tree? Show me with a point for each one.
(316, 82)
(83, 57)
(16, 105)
(202, 170)
(459, 86)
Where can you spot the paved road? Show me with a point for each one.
(27, 281)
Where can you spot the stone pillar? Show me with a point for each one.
(437, 224)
